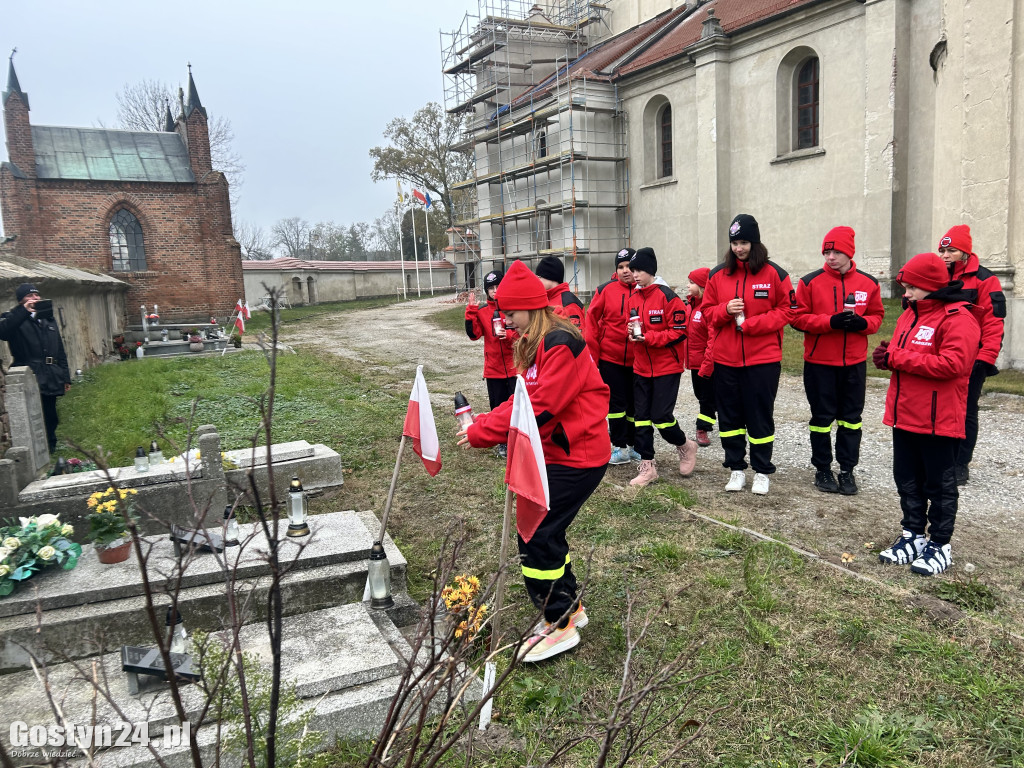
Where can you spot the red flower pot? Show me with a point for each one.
(116, 554)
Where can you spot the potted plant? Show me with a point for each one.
(195, 340)
(35, 544)
(109, 514)
(236, 339)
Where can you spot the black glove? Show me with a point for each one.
(854, 322)
(837, 321)
(880, 357)
(987, 368)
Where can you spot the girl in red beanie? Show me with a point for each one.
(570, 402)
(931, 354)
(698, 350)
(988, 306)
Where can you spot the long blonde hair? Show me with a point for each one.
(542, 322)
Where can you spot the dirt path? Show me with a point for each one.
(991, 505)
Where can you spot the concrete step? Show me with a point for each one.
(96, 608)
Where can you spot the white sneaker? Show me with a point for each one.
(934, 558)
(737, 480)
(760, 485)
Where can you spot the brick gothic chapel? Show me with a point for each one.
(146, 207)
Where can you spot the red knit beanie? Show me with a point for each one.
(839, 239)
(700, 276)
(958, 237)
(520, 289)
(926, 270)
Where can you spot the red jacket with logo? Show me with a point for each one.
(985, 293)
(566, 305)
(569, 400)
(768, 304)
(930, 355)
(606, 321)
(497, 352)
(697, 336)
(663, 319)
(822, 294)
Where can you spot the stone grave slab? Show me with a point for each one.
(249, 457)
(25, 415)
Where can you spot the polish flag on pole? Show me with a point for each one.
(419, 196)
(245, 311)
(240, 323)
(239, 307)
(525, 472)
(419, 425)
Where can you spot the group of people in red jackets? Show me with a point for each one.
(602, 379)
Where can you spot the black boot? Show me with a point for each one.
(847, 485)
(825, 481)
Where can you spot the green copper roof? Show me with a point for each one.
(99, 154)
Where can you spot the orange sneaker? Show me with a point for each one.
(549, 641)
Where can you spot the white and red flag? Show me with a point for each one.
(245, 310)
(239, 307)
(525, 473)
(240, 323)
(420, 197)
(419, 425)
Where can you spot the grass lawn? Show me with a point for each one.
(1010, 382)
(810, 667)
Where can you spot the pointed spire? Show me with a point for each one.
(193, 96)
(168, 120)
(13, 86)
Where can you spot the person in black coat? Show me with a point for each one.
(35, 341)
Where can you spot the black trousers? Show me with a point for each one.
(704, 391)
(965, 447)
(746, 413)
(835, 393)
(50, 420)
(655, 400)
(500, 390)
(547, 569)
(924, 468)
(621, 419)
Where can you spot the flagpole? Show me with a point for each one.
(401, 256)
(391, 491)
(415, 247)
(499, 598)
(430, 257)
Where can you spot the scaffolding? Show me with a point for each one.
(550, 175)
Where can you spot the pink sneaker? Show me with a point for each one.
(549, 641)
(687, 457)
(646, 475)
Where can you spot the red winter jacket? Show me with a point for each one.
(985, 293)
(769, 303)
(697, 337)
(822, 294)
(569, 400)
(663, 318)
(930, 355)
(566, 305)
(497, 352)
(606, 321)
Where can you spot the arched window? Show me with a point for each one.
(807, 104)
(127, 251)
(665, 142)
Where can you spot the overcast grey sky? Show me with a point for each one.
(308, 85)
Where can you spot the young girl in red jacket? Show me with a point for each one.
(658, 363)
(606, 329)
(570, 401)
(488, 322)
(697, 352)
(748, 302)
(988, 305)
(931, 354)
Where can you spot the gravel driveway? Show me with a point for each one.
(991, 505)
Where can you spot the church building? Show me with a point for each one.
(146, 207)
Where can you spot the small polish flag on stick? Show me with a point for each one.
(525, 473)
(245, 310)
(240, 323)
(419, 425)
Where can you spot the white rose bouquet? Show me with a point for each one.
(37, 543)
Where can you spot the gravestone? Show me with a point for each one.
(25, 412)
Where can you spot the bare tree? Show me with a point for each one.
(292, 237)
(142, 106)
(421, 151)
(256, 244)
(383, 238)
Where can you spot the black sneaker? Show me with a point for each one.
(962, 474)
(825, 481)
(847, 485)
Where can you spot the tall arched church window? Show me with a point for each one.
(807, 105)
(665, 142)
(127, 249)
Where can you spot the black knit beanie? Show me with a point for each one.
(550, 268)
(492, 278)
(744, 227)
(644, 260)
(24, 290)
(624, 255)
